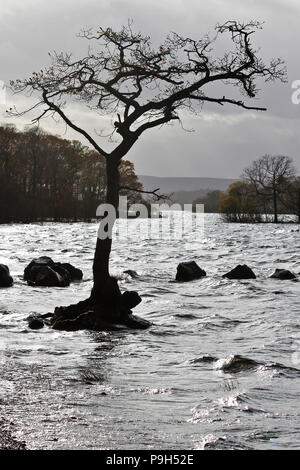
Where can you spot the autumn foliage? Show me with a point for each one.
(45, 177)
(269, 187)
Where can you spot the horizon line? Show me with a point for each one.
(194, 177)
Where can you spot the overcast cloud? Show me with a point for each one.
(224, 140)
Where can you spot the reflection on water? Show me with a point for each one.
(214, 371)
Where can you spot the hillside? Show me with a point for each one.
(168, 185)
(185, 189)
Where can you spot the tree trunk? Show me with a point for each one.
(275, 206)
(104, 287)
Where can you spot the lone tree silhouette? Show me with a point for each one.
(142, 87)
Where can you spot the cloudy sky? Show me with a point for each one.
(224, 140)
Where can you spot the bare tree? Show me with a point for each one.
(123, 75)
(291, 197)
(270, 176)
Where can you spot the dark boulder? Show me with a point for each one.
(44, 271)
(35, 323)
(47, 277)
(283, 274)
(64, 273)
(5, 278)
(189, 271)
(36, 263)
(74, 273)
(130, 299)
(240, 272)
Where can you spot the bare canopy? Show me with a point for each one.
(124, 76)
(270, 175)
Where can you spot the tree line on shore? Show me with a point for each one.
(267, 188)
(44, 177)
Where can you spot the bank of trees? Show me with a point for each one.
(44, 177)
(210, 201)
(269, 187)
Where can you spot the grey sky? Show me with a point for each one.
(225, 140)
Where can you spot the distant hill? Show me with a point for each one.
(169, 185)
(185, 189)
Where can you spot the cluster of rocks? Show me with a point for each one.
(190, 271)
(113, 314)
(109, 315)
(45, 272)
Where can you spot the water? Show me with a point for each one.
(219, 368)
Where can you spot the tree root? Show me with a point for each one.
(91, 314)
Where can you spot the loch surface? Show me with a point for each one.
(218, 369)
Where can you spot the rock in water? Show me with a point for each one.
(35, 323)
(44, 271)
(75, 273)
(109, 310)
(131, 273)
(130, 299)
(47, 277)
(189, 271)
(36, 263)
(5, 278)
(240, 272)
(283, 274)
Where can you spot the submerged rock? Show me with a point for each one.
(35, 323)
(131, 273)
(189, 271)
(44, 271)
(5, 278)
(283, 274)
(240, 272)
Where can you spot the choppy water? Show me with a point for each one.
(220, 367)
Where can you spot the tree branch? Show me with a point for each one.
(153, 193)
(223, 100)
(72, 125)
